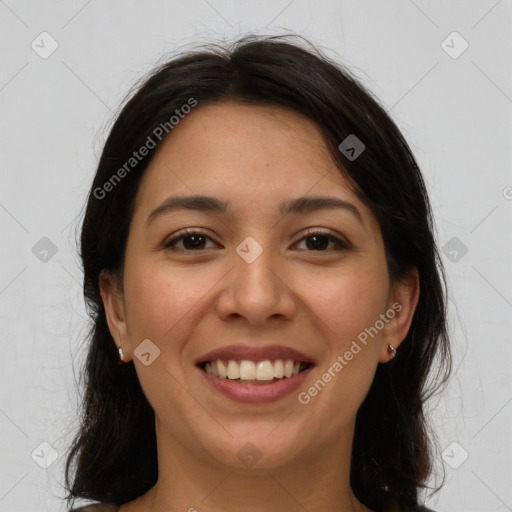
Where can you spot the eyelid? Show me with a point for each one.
(339, 241)
(176, 237)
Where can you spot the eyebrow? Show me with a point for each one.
(208, 204)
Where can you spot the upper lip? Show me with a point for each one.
(254, 353)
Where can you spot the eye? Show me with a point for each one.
(320, 240)
(192, 241)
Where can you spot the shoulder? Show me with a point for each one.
(99, 507)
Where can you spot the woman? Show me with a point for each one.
(267, 295)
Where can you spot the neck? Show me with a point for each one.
(189, 481)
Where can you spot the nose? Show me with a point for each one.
(257, 291)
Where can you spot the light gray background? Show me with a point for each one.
(455, 112)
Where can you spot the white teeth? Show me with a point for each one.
(264, 371)
(288, 368)
(233, 370)
(223, 371)
(246, 370)
(279, 369)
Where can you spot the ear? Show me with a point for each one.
(113, 303)
(402, 301)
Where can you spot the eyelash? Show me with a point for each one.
(341, 246)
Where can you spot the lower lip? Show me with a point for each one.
(257, 393)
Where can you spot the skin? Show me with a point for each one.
(315, 300)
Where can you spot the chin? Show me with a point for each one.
(256, 451)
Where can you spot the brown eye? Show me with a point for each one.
(191, 241)
(318, 241)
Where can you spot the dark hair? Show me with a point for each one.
(113, 456)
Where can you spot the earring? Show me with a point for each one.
(392, 351)
(121, 355)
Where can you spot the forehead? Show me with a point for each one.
(246, 146)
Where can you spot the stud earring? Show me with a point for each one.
(392, 351)
(121, 355)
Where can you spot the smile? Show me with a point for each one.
(254, 372)
(249, 372)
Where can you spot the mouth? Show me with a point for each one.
(250, 372)
(255, 373)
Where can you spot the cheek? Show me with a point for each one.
(162, 305)
(160, 299)
(347, 301)
(166, 304)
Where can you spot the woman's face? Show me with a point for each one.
(262, 276)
